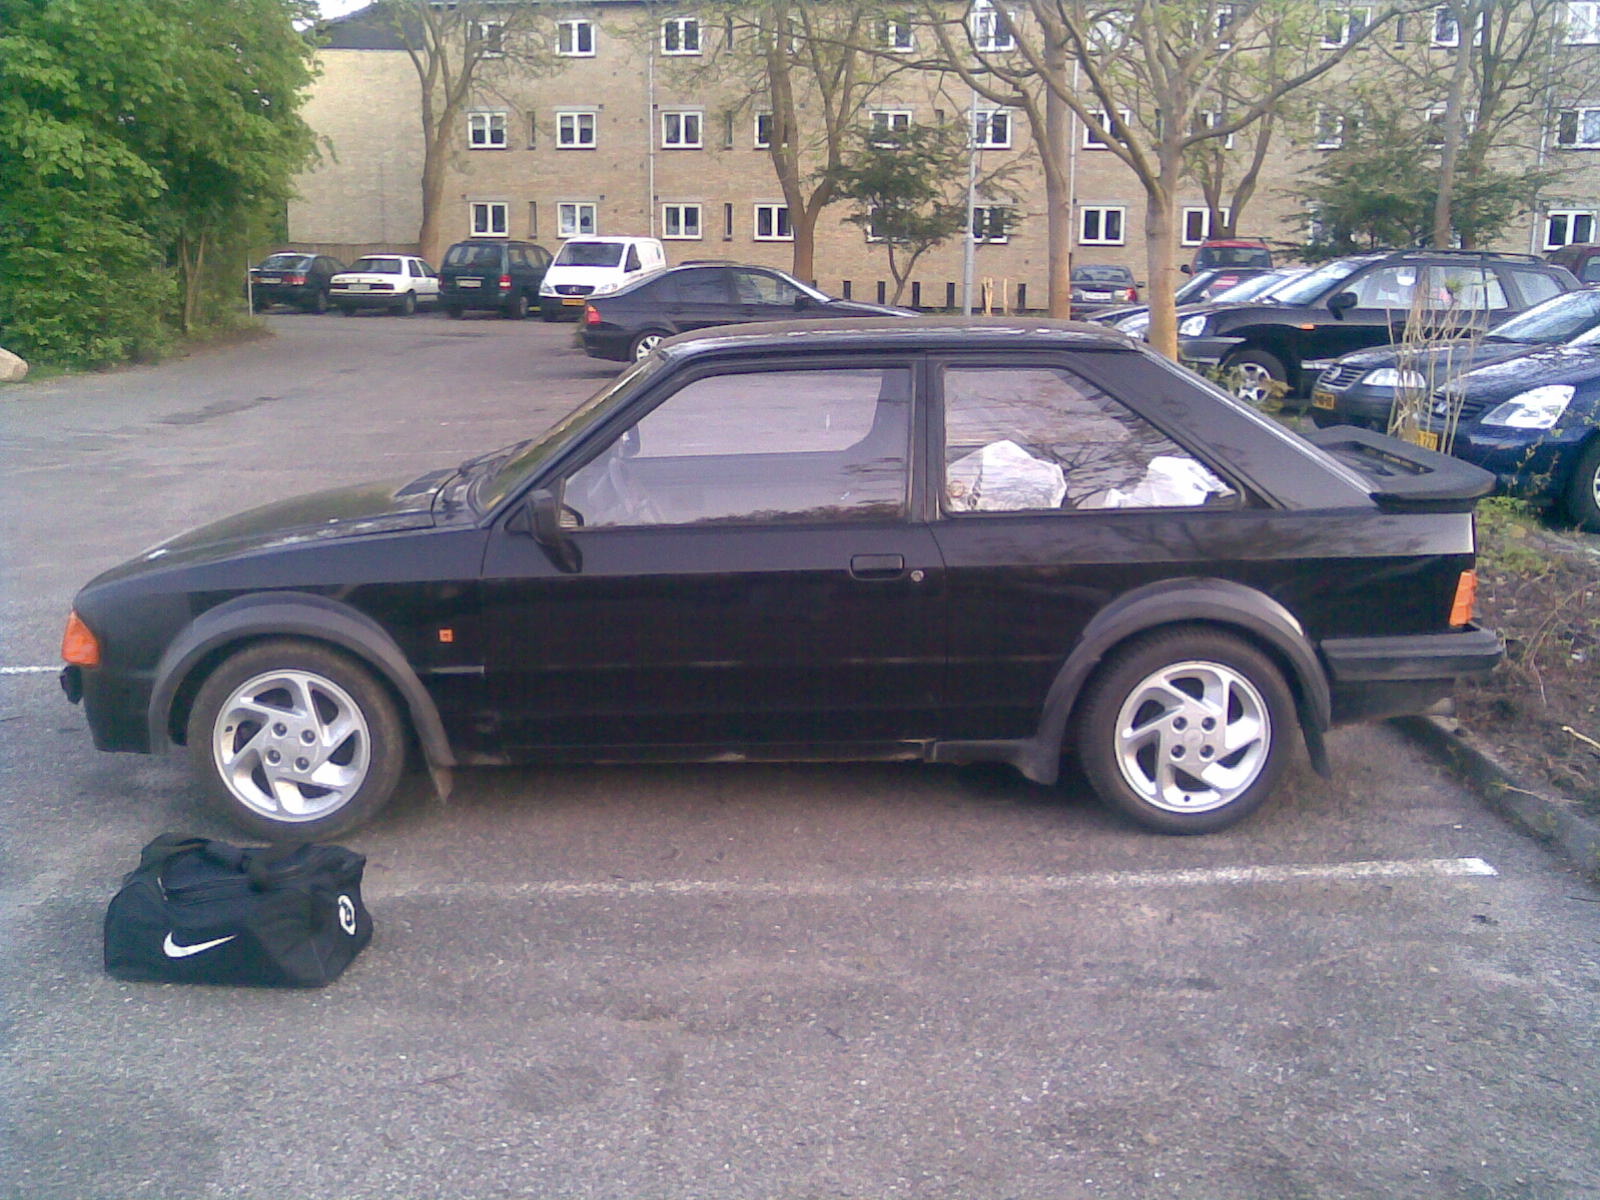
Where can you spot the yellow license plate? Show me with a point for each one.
(1426, 438)
(1321, 399)
(574, 300)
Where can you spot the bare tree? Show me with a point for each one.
(459, 50)
(1137, 75)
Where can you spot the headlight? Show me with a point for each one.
(547, 289)
(1539, 408)
(1192, 326)
(1393, 377)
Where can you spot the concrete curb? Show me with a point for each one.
(1554, 820)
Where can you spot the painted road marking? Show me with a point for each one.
(29, 670)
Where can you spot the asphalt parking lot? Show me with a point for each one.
(739, 981)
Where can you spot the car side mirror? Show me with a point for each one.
(1186, 269)
(1342, 303)
(540, 518)
(802, 301)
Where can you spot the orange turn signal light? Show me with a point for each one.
(78, 645)
(1466, 598)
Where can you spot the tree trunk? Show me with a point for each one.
(1058, 197)
(1161, 253)
(1454, 120)
(436, 151)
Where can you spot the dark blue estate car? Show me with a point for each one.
(948, 540)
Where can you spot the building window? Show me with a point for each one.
(575, 39)
(992, 222)
(990, 33)
(1197, 224)
(890, 120)
(575, 218)
(772, 223)
(894, 34)
(1091, 141)
(1208, 118)
(682, 130)
(1564, 226)
(533, 218)
(992, 129)
(1224, 28)
(727, 222)
(1447, 30)
(486, 130)
(575, 130)
(1583, 23)
(680, 221)
(490, 37)
(491, 219)
(1578, 128)
(680, 35)
(1101, 226)
(1329, 131)
(763, 134)
(1341, 26)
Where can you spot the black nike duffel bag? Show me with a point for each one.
(201, 911)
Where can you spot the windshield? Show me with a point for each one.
(493, 490)
(378, 266)
(1249, 289)
(1308, 287)
(1558, 319)
(1589, 341)
(589, 254)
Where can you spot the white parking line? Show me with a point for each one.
(1001, 885)
(28, 670)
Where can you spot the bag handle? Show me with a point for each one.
(258, 863)
(167, 847)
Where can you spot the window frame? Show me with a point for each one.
(1570, 216)
(896, 34)
(577, 117)
(577, 26)
(1584, 29)
(1189, 210)
(1103, 210)
(487, 122)
(1089, 140)
(779, 213)
(574, 209)
(480, 214)
(1350, 25)
(682, 26)
(683, 208)
(757, 141)
(988, 30)
(1577, 112)
(984, 120)
(683, 117)
(492, 35)
(989, 238)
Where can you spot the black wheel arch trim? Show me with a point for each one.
(1218, 603)
(303, 615)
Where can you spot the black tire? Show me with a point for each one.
(1259, 370)
(319, 302)
(517, 307)
(283, 781)
(348, 310)
(549, 312)
(1582, 498)
(645, 342)
(1233, 692)
(259, 305)
(453, 311)
(408, 305)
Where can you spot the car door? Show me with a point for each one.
(1383, 296)
(748, 574)
(765, 296)
(693, 298)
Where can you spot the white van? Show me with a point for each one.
(589, 265)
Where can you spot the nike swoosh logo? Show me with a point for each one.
(172, 950)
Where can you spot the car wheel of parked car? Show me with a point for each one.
(549, 312)
(1583, 489)
(453, 311)
(1186, 730)
(1252, 374)
(348, 310)
(319, 301)
(517, 307)
(408, 305)
(296, 741)
(646, 342)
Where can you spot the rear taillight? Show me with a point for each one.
(1466, 598)
(294, 280)
(591, 315)
(1131, 296)
(505, 283)
(78, 645)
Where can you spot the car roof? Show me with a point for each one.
(932, 332)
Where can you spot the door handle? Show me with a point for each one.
(877, 566)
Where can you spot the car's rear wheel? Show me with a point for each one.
(348, 310)
(1583, 489)
(517, 307)
(295, 741)
(453, 311)
(319, 301)
(407, 305)
(646, 342)
(1186, 730)
(1256, 377)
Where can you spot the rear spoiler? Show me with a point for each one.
(1404, 477)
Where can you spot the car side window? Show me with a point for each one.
(1026, 439)
(1464, 289)
(417, 270)
(772, 446)
(1537, 286)
(702, 287)
(755, 287)
(632, 264)
(1386, 287)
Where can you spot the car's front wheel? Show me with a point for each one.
(646, 342)
(295, 741)
(1583, 489)
(1256, 377)
(319, 301)
(1186, 730)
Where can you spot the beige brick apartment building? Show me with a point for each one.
(627, 133)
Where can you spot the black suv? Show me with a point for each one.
(1363, 300)
(492, 273)
(293, 277)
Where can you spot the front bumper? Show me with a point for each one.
(1207, 351)
(1360, 405)
(1532, 464)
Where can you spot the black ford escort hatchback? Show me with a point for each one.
(939, 539)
